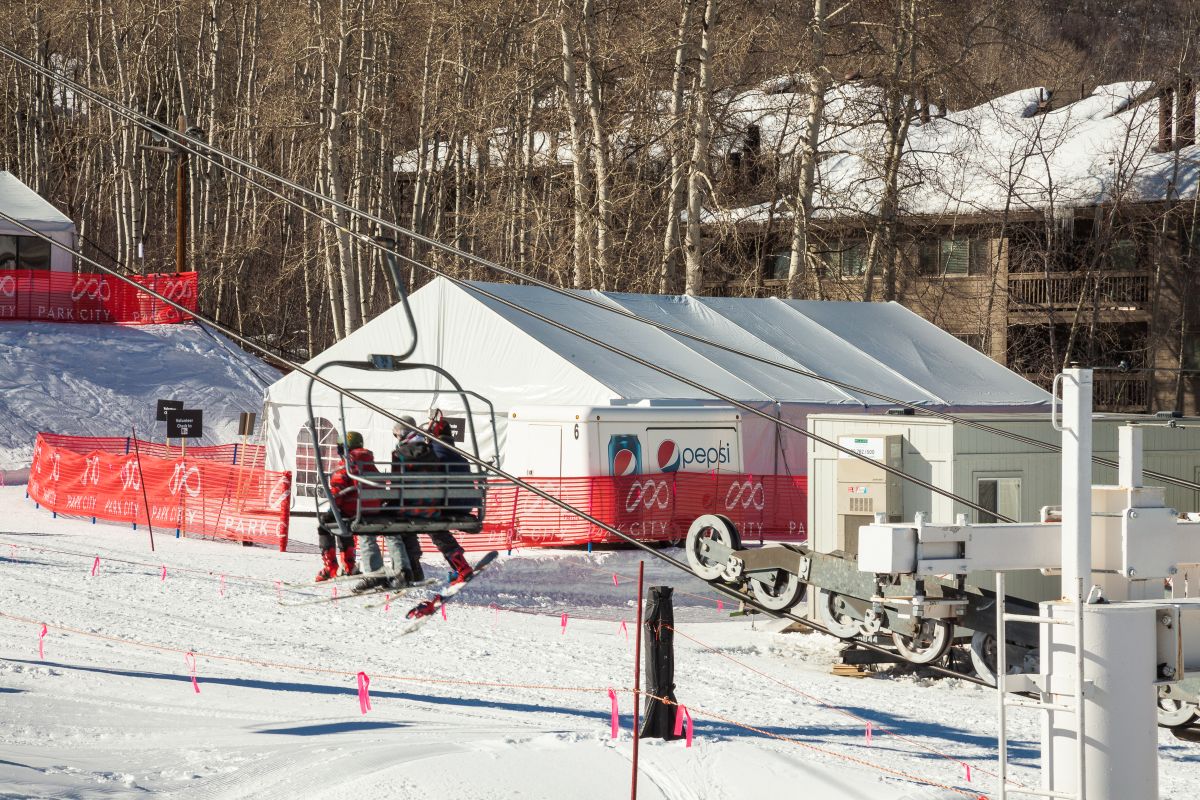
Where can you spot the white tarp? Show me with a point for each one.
(515, 360)
(22, 203)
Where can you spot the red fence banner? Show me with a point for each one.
(94, 298)
(237, 455)
(197, 495)
(650, 508)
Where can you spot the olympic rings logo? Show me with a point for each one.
(8, 286)
(182, 479)
(91, 469)
(175, 289)
(279, 493)
(746, 494)
(649, 494)
(92, 289)
(129, 475)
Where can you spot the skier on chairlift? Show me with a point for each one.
(330, 537)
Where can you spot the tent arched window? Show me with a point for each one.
(306, 481)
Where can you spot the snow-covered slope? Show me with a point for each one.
(98, 380)
(484, 704)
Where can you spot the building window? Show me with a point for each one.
(1122, 254)
(847, 260)
(958, 255)
(975, 340)
(1000, 496)
(1191, 352)
(307, 482)
(777, 266)
(24, 252)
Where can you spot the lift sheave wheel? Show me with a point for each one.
(711, 529)
(778, 590)
(831, 611)
(928, 643)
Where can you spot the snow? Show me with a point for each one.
(98, 380)
(279, 717)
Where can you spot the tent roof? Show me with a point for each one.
(20, 202)
(514, 358)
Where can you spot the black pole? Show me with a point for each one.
(145, 499)
(659, 631)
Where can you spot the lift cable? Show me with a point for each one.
(743, 597)
(213, 154)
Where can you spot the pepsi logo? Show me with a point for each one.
(624, 462)
(669, 456)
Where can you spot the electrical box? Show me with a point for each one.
(865, 489)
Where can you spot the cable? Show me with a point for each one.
(185, 139)
(729, 591)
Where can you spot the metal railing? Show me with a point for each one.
(1063, 290)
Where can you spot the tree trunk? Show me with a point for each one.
(698, 180)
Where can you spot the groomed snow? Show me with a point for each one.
(98, 380)
(105, 718)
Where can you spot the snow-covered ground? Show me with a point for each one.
(484, 704)
(98, 380)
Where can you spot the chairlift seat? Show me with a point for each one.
(419, 501)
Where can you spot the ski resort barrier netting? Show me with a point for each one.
(646, 507)
(93, 298)
(204, 494)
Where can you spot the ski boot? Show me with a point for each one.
(462, 570)
(370, 584)
(401, 581)
(350, 562)
(329, 566)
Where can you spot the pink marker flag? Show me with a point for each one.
(222, 589)
(968, 766)
(681, 713)
(42, 643)
(625, 630)
(95, 565)
(616, 722)
(615, 583)
(564, 622)
(387, 602)
(190, 660)
(868, 733)
(364, 697)
(164, 573)
(720, 605)
(443, 610)
(335, 594)
(278, 594)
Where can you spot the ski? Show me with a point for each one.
(428, 608)
(352, 596)
(358, 576)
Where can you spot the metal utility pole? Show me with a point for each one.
(181, 202)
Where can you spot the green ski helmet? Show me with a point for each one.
(354, 440)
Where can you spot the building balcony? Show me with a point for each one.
(1062, 291)
(1111, 391)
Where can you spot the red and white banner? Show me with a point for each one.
(199, 495)
(649, 508)
(93, 298)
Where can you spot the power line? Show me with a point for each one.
(206, 150)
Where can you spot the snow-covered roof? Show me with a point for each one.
(19, 201)
(1001, 155)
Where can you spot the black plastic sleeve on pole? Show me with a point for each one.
(658, 632)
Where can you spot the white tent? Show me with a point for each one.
(22, 203)
(516, 360)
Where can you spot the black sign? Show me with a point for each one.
(160, 414)
(246, 423)
(458, 427)
(185, 424)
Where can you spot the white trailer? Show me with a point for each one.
(567, 441)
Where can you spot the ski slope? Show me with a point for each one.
(98, 380)
(488, 703)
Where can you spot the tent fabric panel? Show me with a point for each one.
(694, 316)
(19, 201)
